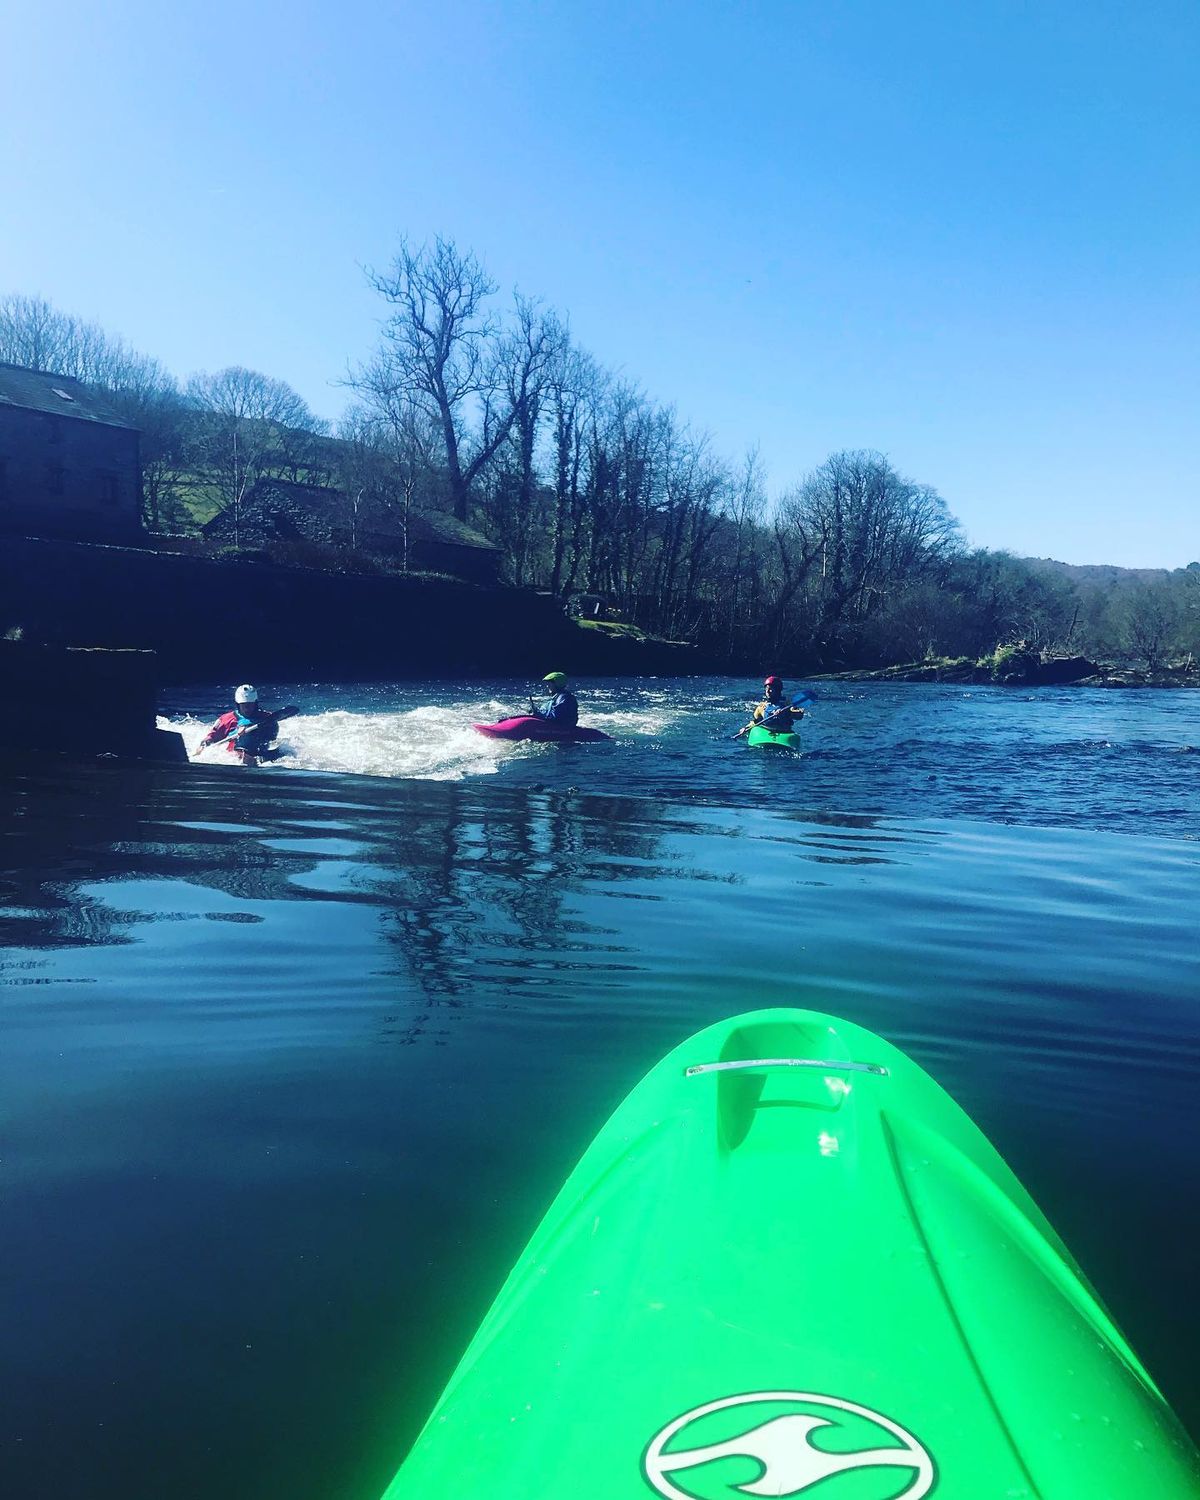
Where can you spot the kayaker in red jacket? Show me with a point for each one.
(248, 730)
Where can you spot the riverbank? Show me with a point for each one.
(1014, 667)
(209, 620)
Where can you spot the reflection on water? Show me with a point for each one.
(292, 1064)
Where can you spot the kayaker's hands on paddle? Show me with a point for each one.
(797, 713)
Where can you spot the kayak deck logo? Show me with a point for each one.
(781, 1443)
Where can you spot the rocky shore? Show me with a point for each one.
(1019, 666)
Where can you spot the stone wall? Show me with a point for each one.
(213, 621)
(82, 702)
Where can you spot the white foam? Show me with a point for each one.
(428, 742)
(431, 743)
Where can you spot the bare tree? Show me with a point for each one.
(157, 409)
(622, 438)
(867, 531)
(251, 425)
(1151, 619)
(527, 354)
(575, 390)
(388, 461)
(745, 503)
(34, 333)
(439, 349)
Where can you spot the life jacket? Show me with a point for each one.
(253, 735)
(562, 709)
(776, 716)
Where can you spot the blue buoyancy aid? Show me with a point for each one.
(562, 709)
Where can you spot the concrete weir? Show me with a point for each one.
(83, 701)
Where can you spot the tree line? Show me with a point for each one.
(492, 412)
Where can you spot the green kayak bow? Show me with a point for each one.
(790, 1265)
(781, 739)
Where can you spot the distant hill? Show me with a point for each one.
(1101, 575)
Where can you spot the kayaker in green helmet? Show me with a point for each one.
(561, 708)
(775, 712)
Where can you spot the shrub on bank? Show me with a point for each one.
(1012, 661)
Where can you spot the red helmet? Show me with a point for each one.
(773, 681)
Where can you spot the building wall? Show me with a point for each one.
(66, 477)
(476, 564)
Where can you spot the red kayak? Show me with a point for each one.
(526, 727)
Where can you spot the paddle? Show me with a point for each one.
(800, 700)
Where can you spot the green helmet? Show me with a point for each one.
(556, 679)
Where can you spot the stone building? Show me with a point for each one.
(285, 517)
(69, 465)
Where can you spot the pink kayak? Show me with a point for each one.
(526, 727)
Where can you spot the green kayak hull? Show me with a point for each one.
(781, 739)
(789, 1264)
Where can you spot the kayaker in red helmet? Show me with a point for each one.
(775, 712)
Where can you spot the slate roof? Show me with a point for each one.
(440, 526)
(61, 395)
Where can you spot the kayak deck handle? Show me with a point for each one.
(786, 1062)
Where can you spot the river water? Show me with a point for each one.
(294, 1058)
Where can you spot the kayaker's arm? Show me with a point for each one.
(219, 731)
(756, 710)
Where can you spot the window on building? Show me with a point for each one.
(110, 489)
(55, 479)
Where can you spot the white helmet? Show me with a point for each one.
(246, 694)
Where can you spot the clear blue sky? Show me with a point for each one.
(965, 233)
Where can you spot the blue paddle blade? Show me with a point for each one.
(802, 700)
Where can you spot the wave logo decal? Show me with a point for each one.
(781, 1443)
